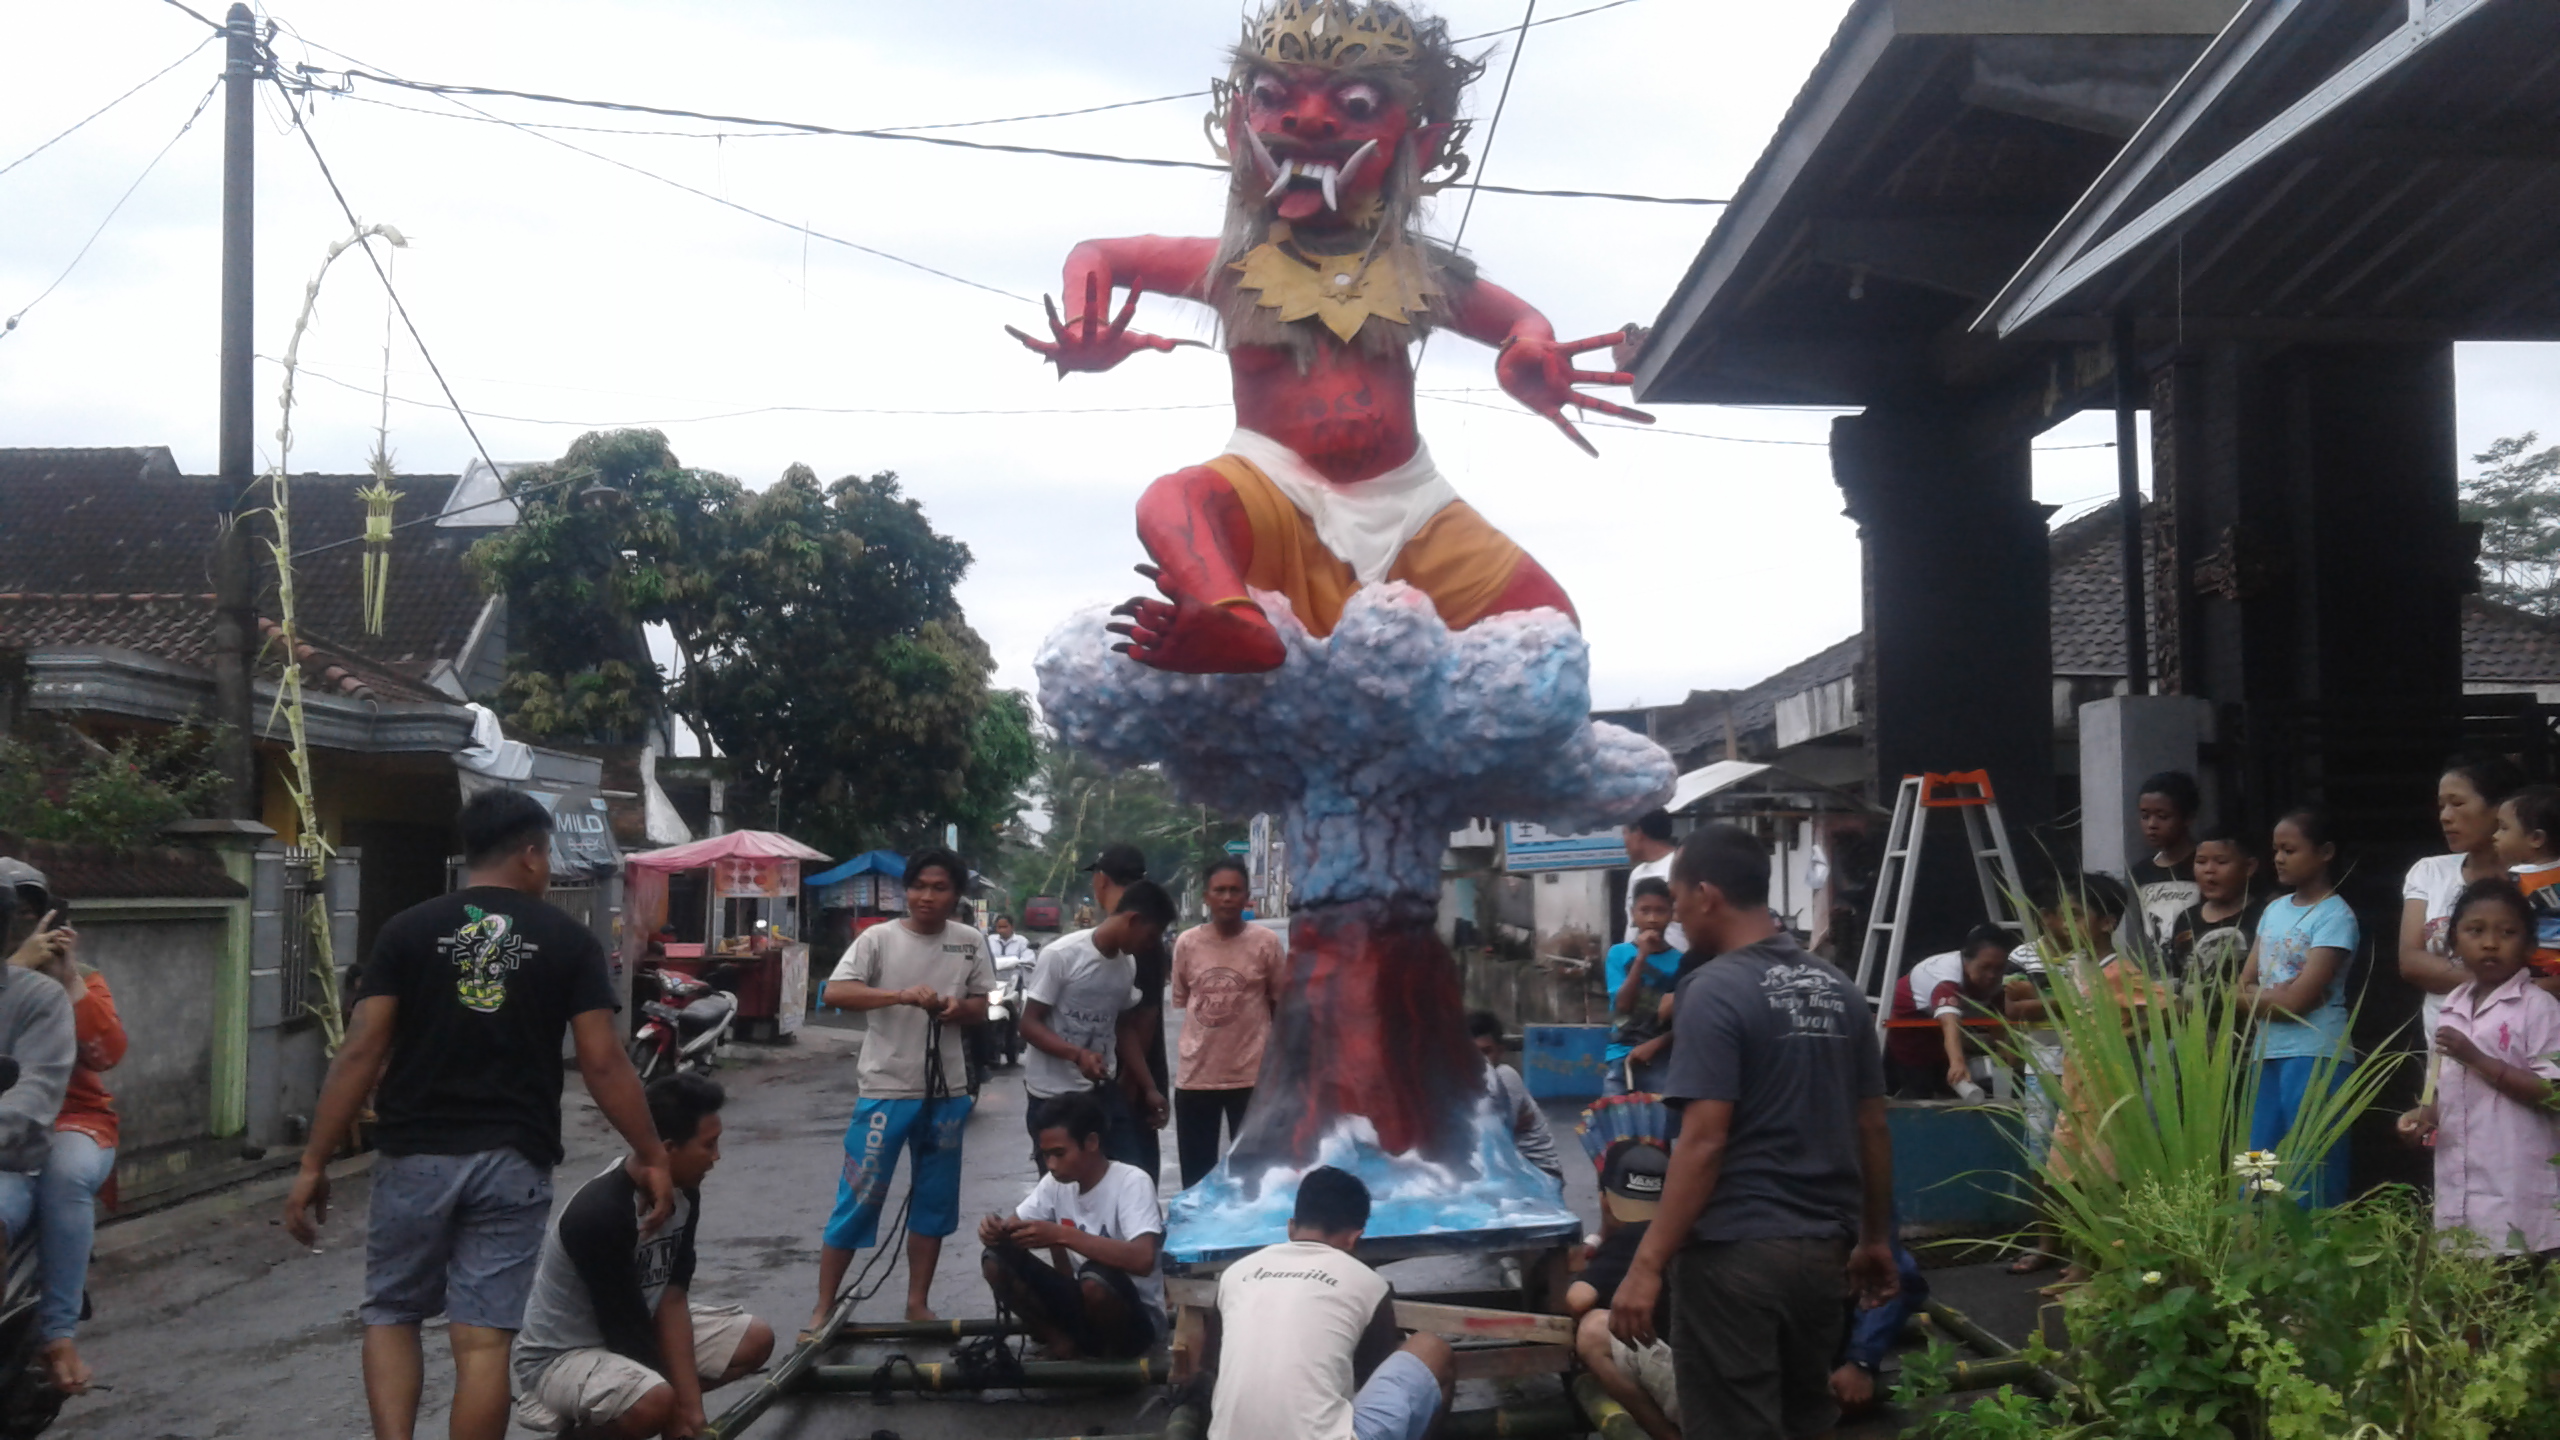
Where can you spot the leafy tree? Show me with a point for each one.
(2516, 499)
(1090, 807)
(825, 654)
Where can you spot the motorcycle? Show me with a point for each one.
(1004, 1009)
(28, 1400)
(685, 1022)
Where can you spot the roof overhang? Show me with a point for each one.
(2350, 169)
(1883, 80)
(103, 680)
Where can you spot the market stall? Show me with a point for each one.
(856, 895)
(727, 909)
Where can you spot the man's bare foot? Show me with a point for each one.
(921, 1314)
(71, 1374)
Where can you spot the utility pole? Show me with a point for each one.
(235, 570)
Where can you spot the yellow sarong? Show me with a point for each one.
(1457, 557)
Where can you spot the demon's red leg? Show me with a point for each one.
(1196, 530)
(1532, 588)
(1373, 1025)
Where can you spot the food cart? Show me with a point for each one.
(855, 896)
(727, 909)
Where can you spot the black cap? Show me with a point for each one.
(1631, 1179)
(1122, 864)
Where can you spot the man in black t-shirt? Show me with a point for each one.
(1116, 869)
(457, 1037)
(1638, 1377)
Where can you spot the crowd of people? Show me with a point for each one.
(1747, 1265)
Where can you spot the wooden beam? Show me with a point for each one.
(2078, 17)
(1465, 1322)
(1510, 1362)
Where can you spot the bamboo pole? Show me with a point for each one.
(1605, 1414)
(925, 1330)
(941, 1377)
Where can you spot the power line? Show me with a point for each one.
(449, 91)
(199, 16)
(1550, 20)
(1493, 127)
(366, 244)
(110, 105)
(11, 324)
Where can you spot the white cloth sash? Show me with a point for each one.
(1366, 522)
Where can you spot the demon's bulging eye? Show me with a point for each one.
(1359, 102)
(1269, 94)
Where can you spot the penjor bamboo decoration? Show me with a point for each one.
(378, 500)
(288, 704)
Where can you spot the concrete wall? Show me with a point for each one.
(160, 959)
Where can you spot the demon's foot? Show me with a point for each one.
(1193, 638)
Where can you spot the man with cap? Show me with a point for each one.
(1638, 1377)
(1116, 869)
(36, 1032)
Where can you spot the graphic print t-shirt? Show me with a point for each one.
(2540, 883)
(2287, 934)
(2164, 892)
(954, 961)
(1086, 991)
(1787, 1040)
(1227, 990)
(486, 980)
(2206, 956)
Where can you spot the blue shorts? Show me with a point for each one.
(880, 1129)
(1399, 1402)
(456, 1235)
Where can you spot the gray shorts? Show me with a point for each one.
(454, 1235)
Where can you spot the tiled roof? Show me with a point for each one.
(1698, 723)
(180, 627)
(124, 521)
(2087, 621)
(2500, 643)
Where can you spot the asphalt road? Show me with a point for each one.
(218, 1324)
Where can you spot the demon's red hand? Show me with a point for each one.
(1192, 636)
(1088, 342)
(1539, 373)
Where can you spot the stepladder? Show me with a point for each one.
(1884, 958)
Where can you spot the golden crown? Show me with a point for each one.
(1337, 34)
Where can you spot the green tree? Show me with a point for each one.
(1089, 807)
(825, 653)
(2515, 497)
(118, 794)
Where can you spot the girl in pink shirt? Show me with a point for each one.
(2497, 1051)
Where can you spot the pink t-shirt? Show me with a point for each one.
(2493, 1156)
(1227, 990)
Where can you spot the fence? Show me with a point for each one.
(303, 909)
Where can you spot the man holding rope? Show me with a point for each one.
(920, 978)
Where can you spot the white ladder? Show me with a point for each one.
(1968, 793)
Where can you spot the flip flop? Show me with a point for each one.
(2031, 1262)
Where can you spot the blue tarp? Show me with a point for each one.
(869, 862)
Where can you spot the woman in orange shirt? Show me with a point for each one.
(84, 1158)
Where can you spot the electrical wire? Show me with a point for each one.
(199, 16)
(110, 105)
(366, 244)
(1493, 127)
(10, 326)
(450, 91)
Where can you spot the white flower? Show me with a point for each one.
(2254, 1164)
(2151, 1277)
(2268, 1187)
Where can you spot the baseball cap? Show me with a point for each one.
(1123, 864)
(1631, 1179)
(18, 877)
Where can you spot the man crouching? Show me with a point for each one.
(610, 1302)
(1103, 1299)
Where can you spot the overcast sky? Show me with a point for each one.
(568, 294)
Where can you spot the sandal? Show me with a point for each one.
(2031, 1262)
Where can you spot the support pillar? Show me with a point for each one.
(1958, 672)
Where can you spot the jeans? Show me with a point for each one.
(66, 1223)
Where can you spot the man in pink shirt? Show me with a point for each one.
(1227, 976)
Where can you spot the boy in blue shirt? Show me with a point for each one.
(1641, 971)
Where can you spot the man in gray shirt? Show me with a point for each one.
(1779, 1200)
(35, 1031)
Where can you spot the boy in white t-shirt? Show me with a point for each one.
(1080, 1017)
(1101, 1296)
(1314, 1335)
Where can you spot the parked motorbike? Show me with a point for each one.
(28, 1400)
(1004, 1010)
(684, 1019)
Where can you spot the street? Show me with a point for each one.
(226, 1327)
